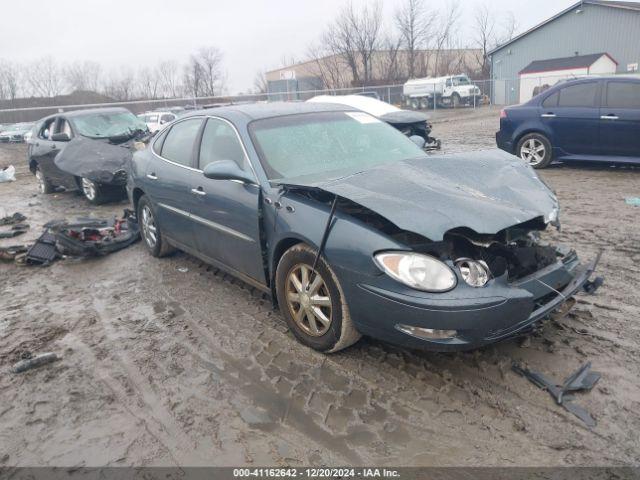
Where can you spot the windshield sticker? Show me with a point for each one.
(363, 118)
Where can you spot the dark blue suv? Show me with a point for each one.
(592, 119)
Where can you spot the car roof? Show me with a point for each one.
(257, 111)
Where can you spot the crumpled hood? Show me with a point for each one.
(96, 160)
(485, 191)
(404, 117)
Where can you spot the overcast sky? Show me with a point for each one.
(253, 34)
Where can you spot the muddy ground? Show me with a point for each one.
(167, 362)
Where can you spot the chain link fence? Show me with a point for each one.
(496, 92)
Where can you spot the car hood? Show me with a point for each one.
(404, 117)
(95, 159)
(485, 191)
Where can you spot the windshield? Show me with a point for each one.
(108, 124)
(327, 144)
(460, 81)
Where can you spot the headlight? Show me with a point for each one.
(418, 271)
(474, 273)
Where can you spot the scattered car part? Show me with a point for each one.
(43, 251)
(10, 253)
(34, 362)
(8, 174)
(17, 229)
(635, 201)
(580, 380)
(12, 219)
(94, 238)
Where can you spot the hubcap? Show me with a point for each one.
(532, 151)
(309, 300)
(89, 189)
(40, 181)
(149, 227)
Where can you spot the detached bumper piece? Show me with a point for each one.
(95, 238)
(581, 380)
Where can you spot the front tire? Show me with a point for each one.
(92, 191)
(455, 100)
(150, 230)
(312, 301)
(535, 149)
(44, 185)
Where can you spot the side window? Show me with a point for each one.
(623, 95)
(179, 142)
(448, 82)
(47, 129)
(551, 101)
(63, 126)
(582, 95)
(220, 142)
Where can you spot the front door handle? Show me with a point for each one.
(610, 116)
(548, 115)
(198, 191)
(152, 176)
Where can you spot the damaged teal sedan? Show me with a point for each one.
(353, 230)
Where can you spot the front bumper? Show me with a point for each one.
(480, 316)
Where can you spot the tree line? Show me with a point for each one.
(202, 75)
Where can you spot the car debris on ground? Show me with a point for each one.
(635, 201)
(34, 362)
(16, 227)
(83, 238)
(581, 380)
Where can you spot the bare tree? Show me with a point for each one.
(329, 65)
(193, 77)
(484, 36)
(415, 24)
(10, 75)
(260, 84)
(120, 85)
(148, 83)
(83, 76)
(44, 77)
(388, 62)
(170, 84)
(444, 38)
(210, 60)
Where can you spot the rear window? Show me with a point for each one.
(179, 142)
(581, 95)
(623, 95)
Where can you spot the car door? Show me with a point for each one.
(169, 176)
(45, 150)
(226, 218)
(572, 115)
(620, 118)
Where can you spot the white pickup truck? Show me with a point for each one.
(453, 90)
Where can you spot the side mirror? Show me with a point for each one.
(227, 170)
(60, 137)
(418, 140)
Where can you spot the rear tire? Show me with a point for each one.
(318, 315)
(415, 104)
(44, 185)
(535, 149)
(424, 103)
(150, 230)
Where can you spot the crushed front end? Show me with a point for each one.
(505, 285)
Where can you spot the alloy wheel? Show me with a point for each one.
(149, 227)
(89, 189)
(532, 151)
(309, 300)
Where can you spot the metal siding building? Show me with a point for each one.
(590, 26)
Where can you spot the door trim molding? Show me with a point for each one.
(208, 223)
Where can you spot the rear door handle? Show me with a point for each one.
(609, 117)
(198, 191)
(152, 176)
(548, 115)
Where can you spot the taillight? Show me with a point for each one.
(503, 113)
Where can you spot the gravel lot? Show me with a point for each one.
(166, 366)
